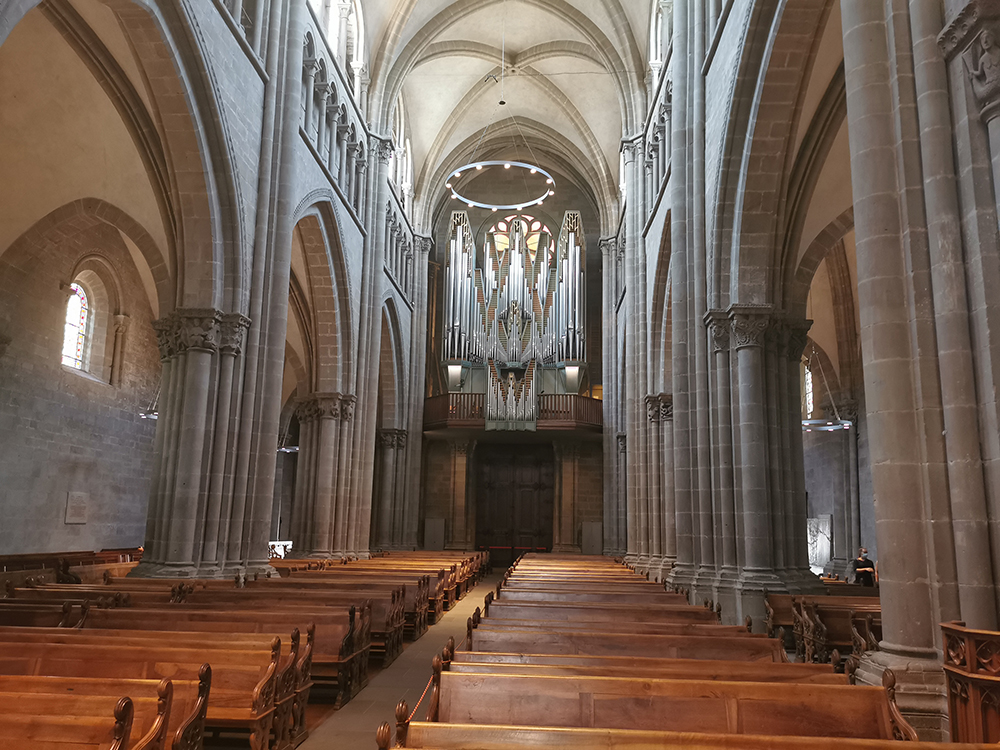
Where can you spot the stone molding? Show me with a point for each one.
(749, 323)
(631, 147)
(719, 328)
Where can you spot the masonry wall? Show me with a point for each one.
(62, 431)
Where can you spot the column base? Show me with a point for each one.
(921, 687)
(801, 581)
(682, 575)
(751, 586)
(724, 588)
(163, 570)
(703, 584)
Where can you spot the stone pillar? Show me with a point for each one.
(121, 330)
(184, 489)
(399, 495)
(324, 90)
(749, 325)
(314, 512)
(347, 470)
(907, 557)
(343, 15)
(387, 488)
(609, 252)
(668, 518)
(719, 331)
(655, 532)
(311, 69)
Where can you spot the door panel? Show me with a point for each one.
(515, 492)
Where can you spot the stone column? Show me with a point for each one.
(317, 468)
(324, 90)
(121, 329)
(668, 518)
(311, 69)
(749, 325)
(719, 332)
(189, 342)
(343, 15)
(655, 532)
(399, 495)
(387, 488)
(907, 558)
(609, 248)
(347, 470)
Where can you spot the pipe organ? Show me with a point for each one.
(513, 310)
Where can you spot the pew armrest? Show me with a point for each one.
(189, 735)
(901, 728)
(156, 737)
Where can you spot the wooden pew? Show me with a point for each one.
(244, 682)
(338, 654)
(537, 641)
(827, 624)
(608, 611)
(168, 714)
(437, 736)
(108, 731)
(641, 666)
(803, 710)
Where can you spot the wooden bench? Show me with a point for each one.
(537, 641)
(244, 682)
(108, 731)
(827, 624)
(608, 611)
(437, 736)
(338, 654)
(167, 714)
(803, 710)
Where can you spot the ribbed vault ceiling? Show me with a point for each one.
(573, 83)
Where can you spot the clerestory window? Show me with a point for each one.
(75, 334)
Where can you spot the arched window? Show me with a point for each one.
(808, 394)
(76, 333)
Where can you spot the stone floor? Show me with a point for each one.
(353, 727)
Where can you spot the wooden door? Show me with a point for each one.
(515, 492)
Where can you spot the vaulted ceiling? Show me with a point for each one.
(573, 74)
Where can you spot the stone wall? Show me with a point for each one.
(61, 430)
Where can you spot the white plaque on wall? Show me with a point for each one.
(76, 507)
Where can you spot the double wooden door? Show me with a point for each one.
(515, 491)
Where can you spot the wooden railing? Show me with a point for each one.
(556, 412)
(972, 667)
(569, 412)
(455, 410)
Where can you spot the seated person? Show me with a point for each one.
(863, 569)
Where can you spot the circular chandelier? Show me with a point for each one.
(825, 425)
(478, 166)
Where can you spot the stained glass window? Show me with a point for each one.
(808, 393)
(75, 334)
(531, 229)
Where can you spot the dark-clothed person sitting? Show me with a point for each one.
(863, 569)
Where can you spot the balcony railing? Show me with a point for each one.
(555, 412)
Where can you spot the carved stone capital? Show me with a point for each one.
(666, 407)
(234, 327)
(199, 329)
(463, 447)
(347, 404)
(749, 324)
(849, 411)
(718, 324)
(311, 66)
(973, 34)
(622, 442)
(631, 148)
(798, 338)
(653, 408)
(392, 439)
(165, 329)
(318, 406)
(608, 246)
(383, 149)
(423, 245)
(121, 324)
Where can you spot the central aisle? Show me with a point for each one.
(353, 727)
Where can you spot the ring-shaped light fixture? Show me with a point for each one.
(550, 185)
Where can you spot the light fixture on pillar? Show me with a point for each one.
(535, 195)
